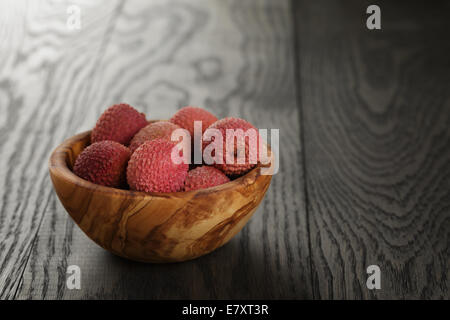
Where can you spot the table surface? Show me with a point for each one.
(364, 119)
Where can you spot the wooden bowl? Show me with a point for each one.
(154, 227)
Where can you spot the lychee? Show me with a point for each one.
(155, 130)
(151, 168)
(186, 116)
(119, 123)
(204, 177)
(239, 151)
(104, 163)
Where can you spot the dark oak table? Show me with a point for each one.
(364, 120)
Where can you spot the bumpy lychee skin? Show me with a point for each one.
(204, 177)
(155, 130)
(103, 163)
(235, 169)
(119, 123)
(151, 168)
(186, 116)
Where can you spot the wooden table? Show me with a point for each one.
(364, 119)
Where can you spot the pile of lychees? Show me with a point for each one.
(127, 151)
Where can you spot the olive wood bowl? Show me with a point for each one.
(154, 227)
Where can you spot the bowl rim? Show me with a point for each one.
(58, 166)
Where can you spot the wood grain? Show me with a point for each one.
(45, 74)
(376, 128)
(233, 58)
(364, 175)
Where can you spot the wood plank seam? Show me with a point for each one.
(33, 242)
(297, 84)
